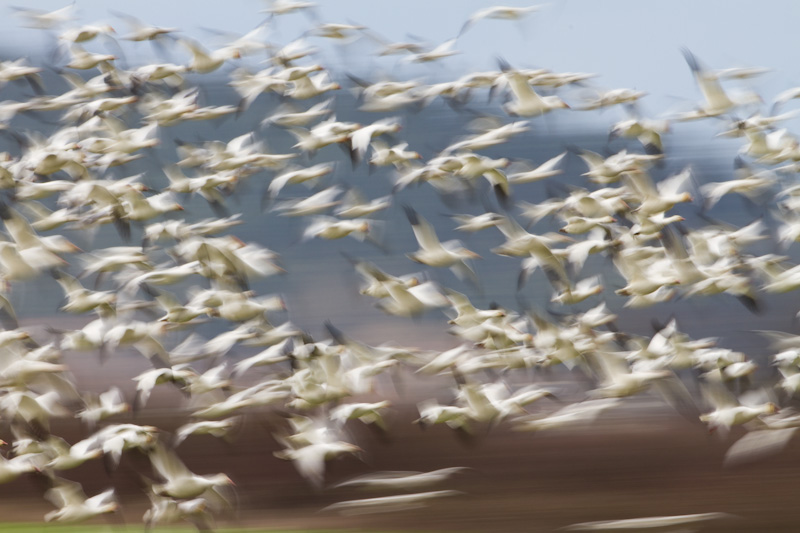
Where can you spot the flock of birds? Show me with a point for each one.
(189, 272)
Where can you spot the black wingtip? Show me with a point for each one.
(503, 64)
(413, 218)
(690, 59)
(149, 290)
(5, 212)
(335, 333)
(123, 228)
(752, 304)
(352, 260)
(503, 197)
(358, 81)
(574, 148)
(652, 149)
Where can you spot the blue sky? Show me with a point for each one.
(627, 42)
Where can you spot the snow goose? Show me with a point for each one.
(45, 20)
(619, 379)
(374, 279)
(85, 33)
(180, 482)
(748, 182)
(397, 155)
(80, 299)
(273, 354)
(369, 413)
(175, 313)
(315, 204)
(583, 289)
(149, 379)
(574, 414)
(498, 13)
(215, 428)
(608, 170)
(612, 97)
(62, 456)
(496, 134)
(662, 197)
(646, 131)
(434, 54)
(298, 175)
(331, 228)
(168, 510)
(545, 170)
(309, 459)
(116, 439)
(355, 205)
(473, 223)
(527, 103)
(717, 101)
(285, 7)
(466, 313)
(74, 506)
(306, 87)
(431, 412)
(83, 60)
(287, 116)
(204, 61)
(102, 406)
(404, 481)
(11, 469)
(434, 253)
(656, 523)
(387, 504)
(337, 31)
(362, 137)
(139, 31)
(538, 248)
(728, 411)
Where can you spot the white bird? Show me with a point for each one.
(498, 13)
(435, 253)
(105, 405)
(362, 137)
(728, 411)
(656, 523)
(141, 31)
(545, 170)
(215, 428)
(309, 459)
(299, 175)
(74, 506)
(387, 504)
(83, 60)
(45, 20)
(403, 481)
(578, 413)
(180, 482)
(527, 103)
(11, 469)
(369, 413)
(286, 116)
(434, 54)
(204, 61)
(168, 510)
(717, 101)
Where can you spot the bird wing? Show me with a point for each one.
(167, 464)
(423, 231)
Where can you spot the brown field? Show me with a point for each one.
(624, 466)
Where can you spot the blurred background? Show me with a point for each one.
(643, 459)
